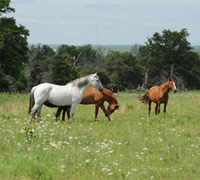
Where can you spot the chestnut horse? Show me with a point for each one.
(158, 95)
(93, 96)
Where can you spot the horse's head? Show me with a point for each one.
(171, 84)
(111, 108)
(95, 81)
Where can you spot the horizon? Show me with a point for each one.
(96, 44)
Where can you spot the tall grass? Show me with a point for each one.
(131, 146)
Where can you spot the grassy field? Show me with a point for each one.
(131, 146)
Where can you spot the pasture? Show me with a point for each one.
(131, 146)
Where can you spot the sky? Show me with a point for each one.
(105, 22)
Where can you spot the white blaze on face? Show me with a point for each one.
(174, 86)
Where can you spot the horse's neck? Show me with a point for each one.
(109, 98)
(165, 88)
(83, 89)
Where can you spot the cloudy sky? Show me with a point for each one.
(79, 22)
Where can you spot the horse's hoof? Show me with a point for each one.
(109, 119)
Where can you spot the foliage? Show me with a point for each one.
(162, 56)
(87, 55)
(123, 70)
(40, 58)
(169, 54)
(85, 61)
(67, 49)
(5, 7)
(89, 69)
(13, 55)
(62, 69)
(131, 146)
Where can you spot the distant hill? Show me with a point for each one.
(121, 48)
(196, 49)
(127, 48)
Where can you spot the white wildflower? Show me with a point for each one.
(115, 164)
(87, 160)
(53, 144)
(134, 170)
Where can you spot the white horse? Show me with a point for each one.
(69, 94)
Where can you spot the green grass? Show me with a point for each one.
(131, 146)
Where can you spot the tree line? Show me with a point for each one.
(163, 55)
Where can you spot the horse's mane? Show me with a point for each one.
(164, 85)
(80, 82)
(108, 92)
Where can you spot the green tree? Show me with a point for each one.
(39, 63)
(62, 69)
(5, 7)
(167, 54)
(87, 56)
(123, 70)
(13, 51)
(67, 49)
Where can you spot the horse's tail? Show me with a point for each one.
(144, 98)
(32, 99)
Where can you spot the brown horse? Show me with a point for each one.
(92, 96)
(158, 95)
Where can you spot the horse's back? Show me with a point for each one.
(91, 96)
(55, 94)
(43, 88)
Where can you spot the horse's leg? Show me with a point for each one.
(63, 114)
(165, 106)
(39, 113)
(158, 108)
(104, 110)
(58, 113)
(96, 111)
(32, 114)
(73, 108)
(149, 107)
(68, 111)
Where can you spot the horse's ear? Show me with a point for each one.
(170, 79)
